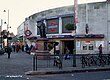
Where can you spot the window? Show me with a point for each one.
(84, 47)
(90, 47)
(65, 21)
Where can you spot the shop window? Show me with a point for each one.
(90, 47)
(84, 47)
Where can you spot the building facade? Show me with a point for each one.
(92, 30)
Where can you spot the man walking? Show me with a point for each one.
(100, 49)
(8, 50)
(100, 55)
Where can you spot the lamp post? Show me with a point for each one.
(7, 24)
(7, 19)
(1, 32)
(75, 22)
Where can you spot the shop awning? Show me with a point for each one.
(32, 38)
(89, 36)
(77, 36)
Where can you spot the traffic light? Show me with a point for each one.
(4, 36)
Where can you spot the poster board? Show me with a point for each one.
(99, 42)
(78, 44)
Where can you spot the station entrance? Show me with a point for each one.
(67, 44)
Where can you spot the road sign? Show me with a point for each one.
(27, 32)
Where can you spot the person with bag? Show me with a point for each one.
(67, 56)
(8, 50)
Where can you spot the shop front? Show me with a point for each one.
(65, 42)
(89, 44)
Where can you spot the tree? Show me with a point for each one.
(70, 26)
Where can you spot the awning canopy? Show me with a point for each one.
(89, 36)
(32, 38)
(76, 36)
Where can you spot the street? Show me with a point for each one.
(101, 75)
(19, 63)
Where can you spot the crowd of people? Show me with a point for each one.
(16, 47)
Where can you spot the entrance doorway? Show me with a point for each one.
(68, 44)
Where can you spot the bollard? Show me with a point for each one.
(74, 58)
(36, 62)
(33, 62)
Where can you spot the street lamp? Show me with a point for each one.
(75, 22)
(8, 19)
(1, 33)
(7, 23)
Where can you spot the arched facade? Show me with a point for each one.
(92, 30)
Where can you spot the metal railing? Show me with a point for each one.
(81, 60)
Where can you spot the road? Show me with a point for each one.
(19, 63)
(101, 75)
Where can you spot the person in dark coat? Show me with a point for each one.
(22, 48)
(8, 50)
(13, 47)
(100, 50)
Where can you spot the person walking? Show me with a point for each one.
(67, 54)
(17, 48)
(8, 50)
(100, 54)
(13, 46)
(27, 48)
(100, 49)
(22, 48)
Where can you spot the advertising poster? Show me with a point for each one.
(99, 42)
(78, 44)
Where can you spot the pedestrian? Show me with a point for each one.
(22, 48)
(57, 51)
(31, 47)
(100, 50)
(27, 49)
(17, 48)
(8, 50)
(13, 46)
(67, 54)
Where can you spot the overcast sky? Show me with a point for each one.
(20, 9)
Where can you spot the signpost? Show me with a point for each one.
(27, 32)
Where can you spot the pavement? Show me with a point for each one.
(66, 70)
(21, 64)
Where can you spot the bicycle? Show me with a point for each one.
(84, 61)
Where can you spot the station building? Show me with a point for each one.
(92, 16)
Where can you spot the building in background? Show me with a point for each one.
(93, 27)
